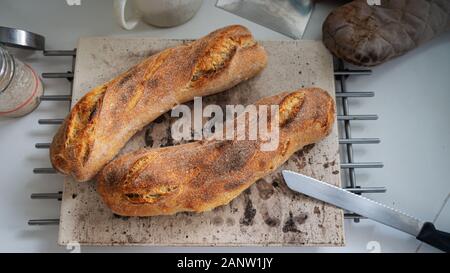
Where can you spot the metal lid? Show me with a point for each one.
(21, 38)
(7, 67)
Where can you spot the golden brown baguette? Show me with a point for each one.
(103, 120)
(202, 175)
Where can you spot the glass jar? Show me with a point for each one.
(20, 86)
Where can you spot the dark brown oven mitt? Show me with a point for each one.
(368, 35)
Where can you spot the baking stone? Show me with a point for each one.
(268, 213)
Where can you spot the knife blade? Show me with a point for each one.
(423, 231)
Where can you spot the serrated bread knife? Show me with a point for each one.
(423, 231)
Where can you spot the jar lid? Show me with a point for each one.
(7, 67)
(20, 38)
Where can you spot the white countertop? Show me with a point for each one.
(412, 98)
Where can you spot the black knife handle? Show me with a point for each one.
(430, 235)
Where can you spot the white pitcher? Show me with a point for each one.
(160, 13)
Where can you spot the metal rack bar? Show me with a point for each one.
(44, 171)
(42, 145)
(55, 75)
(50, 121)
(359, 140)
(367, 190)
(361, 165)
(355, 94)
(347, 128)
(356, 117)
(43, 222)
(56, 98)
(346, 72)
(47, 195)
(60, 52)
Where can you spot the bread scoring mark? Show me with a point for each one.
(215, 59)
(136, 97)
(136, 169)
(285, 147)
(218, 56)
(84, 112)
(290, 106)
(150, 197)
(160, 59)
(81, 125)
(92, 114)
(134, 93)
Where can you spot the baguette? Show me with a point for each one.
(200, 176)
(101, 123)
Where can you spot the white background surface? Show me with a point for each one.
(412, 98)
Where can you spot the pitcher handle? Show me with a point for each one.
(119, 9)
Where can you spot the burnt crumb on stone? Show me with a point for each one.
(335, 172)
(217, 221)
(289, 225)
(328, 164)
(270, 221)
(125, 218)
(300, 163)
(265, 190)
(301, 218)
(316, 210)
(306, 149)
(230, 221)
(275, 183)
(74, 196)
(249, 213)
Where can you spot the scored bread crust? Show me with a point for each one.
(103, 120)
(200, 176)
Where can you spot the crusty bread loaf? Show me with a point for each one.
(200, 176)
(103, 120)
